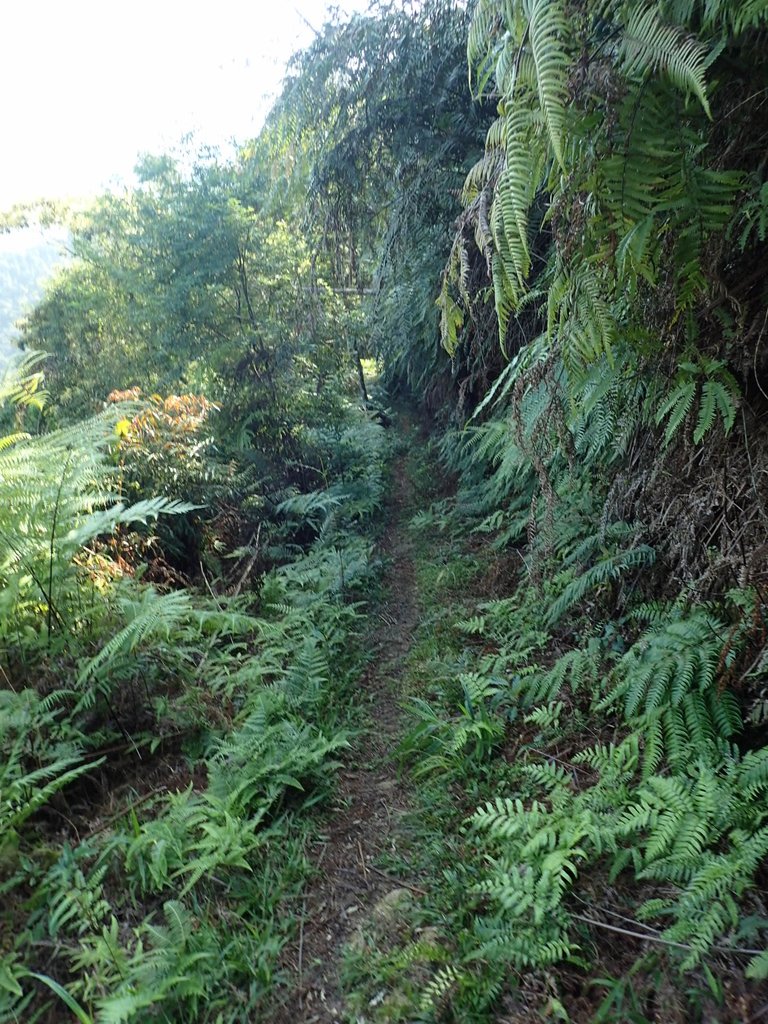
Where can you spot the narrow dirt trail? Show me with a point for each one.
(370, 799)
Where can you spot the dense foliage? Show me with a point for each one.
(180, 721)
(187, 489)
(561, 256)
(616, 222)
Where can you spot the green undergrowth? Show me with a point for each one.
(166, 753)
(397, 972)
(564, 784)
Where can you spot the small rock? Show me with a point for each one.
(358, 942)
(391, 907)
(378, 998)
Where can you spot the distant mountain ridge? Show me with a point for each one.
(27, 259)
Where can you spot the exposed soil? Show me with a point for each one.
(371, 799)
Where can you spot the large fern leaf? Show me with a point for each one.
(648, 44)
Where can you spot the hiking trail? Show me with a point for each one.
(350, 889)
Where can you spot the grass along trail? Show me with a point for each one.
(351, 892)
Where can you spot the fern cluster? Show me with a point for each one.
(173, 899)
(665, 806)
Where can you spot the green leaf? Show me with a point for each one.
(649, 44)
(707, 407)
(548, 28)
(65, 997)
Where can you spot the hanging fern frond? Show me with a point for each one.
(719, 396)
(547, 28)
(648, 44)
(22, 382)
(483, 30)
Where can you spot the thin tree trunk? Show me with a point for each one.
(360, 375)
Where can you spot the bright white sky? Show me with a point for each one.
(87, 85)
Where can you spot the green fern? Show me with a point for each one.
(650, 45)
(151, 613)
(547, 28)
(609, 568)
(667, 680)
(23, 792)
(719, 395)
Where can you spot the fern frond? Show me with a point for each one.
(607, 569)
(648, 44)
(548, 29)
(150, 614)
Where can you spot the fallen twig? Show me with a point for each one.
(362, 861)
(208, 585)
(301, 941)
(655, 937)
(399, 881)
(249, 565)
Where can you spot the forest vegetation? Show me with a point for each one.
(539, 228)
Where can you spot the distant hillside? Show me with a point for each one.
(27, 258)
